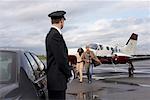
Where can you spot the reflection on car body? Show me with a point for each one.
(22, 75)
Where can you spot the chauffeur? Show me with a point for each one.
(58, 71)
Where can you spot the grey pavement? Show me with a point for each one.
(110, 89)
(112, 83)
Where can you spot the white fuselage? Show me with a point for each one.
(102, 50)
(105, 50)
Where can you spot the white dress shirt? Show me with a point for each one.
(57, 29)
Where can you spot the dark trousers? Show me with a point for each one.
(57, 95)
(89, 77)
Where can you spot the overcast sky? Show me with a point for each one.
(25, 23)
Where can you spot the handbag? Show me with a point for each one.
(95, 63)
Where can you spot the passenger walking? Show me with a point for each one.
(88, 57)
(79, 66)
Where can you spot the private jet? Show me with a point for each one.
(113, 54)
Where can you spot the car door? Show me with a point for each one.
(39, 73)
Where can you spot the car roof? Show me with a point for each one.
(19, 51)
(12, 49)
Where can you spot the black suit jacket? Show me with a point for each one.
(58, 70)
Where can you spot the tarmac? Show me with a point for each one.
(112, 85)
(110, 89)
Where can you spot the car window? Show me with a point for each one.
(32, 62)
(29, 70)
(41, 65)
(8, 67)
(34, 65)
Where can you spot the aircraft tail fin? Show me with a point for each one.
(131, 44)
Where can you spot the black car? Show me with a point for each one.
(22, 75)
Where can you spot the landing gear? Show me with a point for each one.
(131, 69)
(131, 72)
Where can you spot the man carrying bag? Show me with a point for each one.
(89, 57)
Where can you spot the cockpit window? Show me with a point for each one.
(93, 46)
(8, 66)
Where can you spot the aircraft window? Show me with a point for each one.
(112, 49)
(93, 46)
(107, 48)
(101, 47)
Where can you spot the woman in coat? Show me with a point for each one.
(79, 65)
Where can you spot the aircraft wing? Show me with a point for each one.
(140, 57)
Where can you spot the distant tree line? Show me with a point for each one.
(42, 57)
